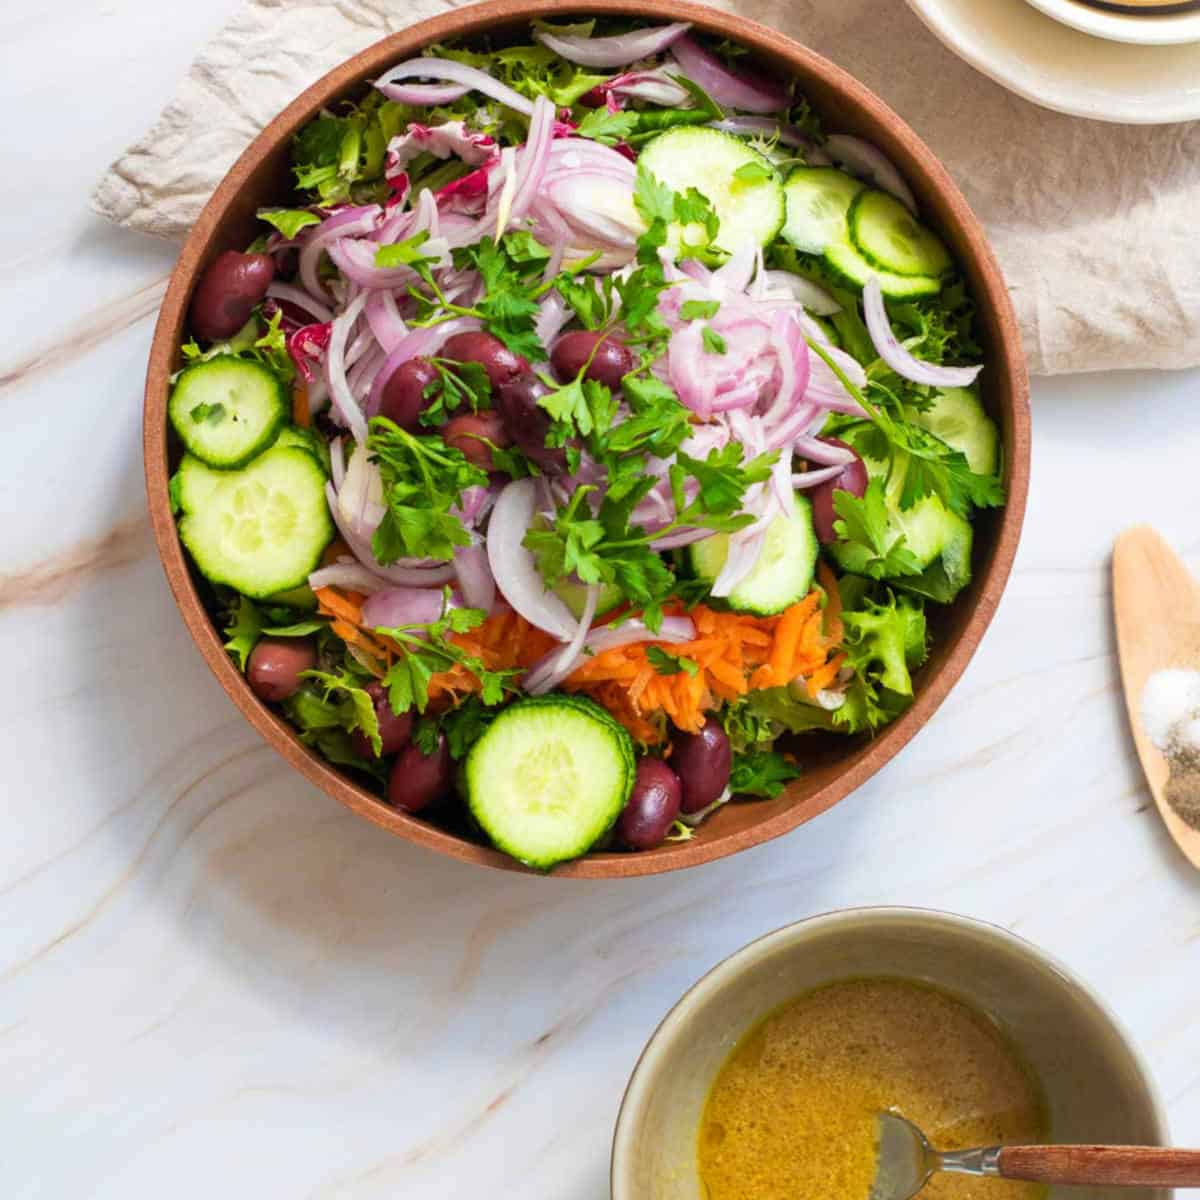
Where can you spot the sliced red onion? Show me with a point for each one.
(430, 94)
(674, 631)
(579, 196)
(814, 297)
(768, 127)
(337, 461)
(350, 222)
(475, 576)
(395, 607)
(335, 370)
(384, 318)
(456, 72)
(761, 95)
(546, 675)
(616, 51)
(744, 548)
(514, 568)
(681, 537)
(301, 299)
(356, 261)
(534, 157)
(656, 87)
(869, 162)
(897, 357)
(817, 451)
(553, 314)
(807, 479)
(346, 573)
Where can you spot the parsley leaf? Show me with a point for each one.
(714, 343)
(606, 127)
(692, 310)
(461, 726)
(458, 385)
(870, 545)
(426, 651)
(753, 172)
(761, 773)
(245, 627)
(406, 253)
(289, 221)
(666, 663)
(508, 309)
(355, 710)
(422, 479)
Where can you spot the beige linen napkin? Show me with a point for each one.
(1094, 224)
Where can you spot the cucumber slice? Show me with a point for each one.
(818, 205)
(887, 234)
(549, 778)
(708, 160)
(938, 539)
(261, 529)
(305, 439)
(574, 595)
(847, 264)
(957, 417)
(783, 574)
(301, 598)
(226, 410)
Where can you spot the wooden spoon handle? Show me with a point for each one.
(1122, 1166)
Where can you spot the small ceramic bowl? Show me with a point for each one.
(1140, 23)
(834, 766)
(1096, 1087)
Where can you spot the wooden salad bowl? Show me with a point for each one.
(833, 766)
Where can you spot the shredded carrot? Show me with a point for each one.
(300, 410)
(733, 653)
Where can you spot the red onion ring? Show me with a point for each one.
(349, 574)
(335, 369)
(301, 299)
(617, 51)
(394, 607)
(350, 222)
(430, 94)
(897, 357)
(869, 162)
(455, 72)
(547, 674)
(514, 568)
(726, 88)
(767, 127)
(475, 576)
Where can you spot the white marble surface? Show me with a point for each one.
(216, 982)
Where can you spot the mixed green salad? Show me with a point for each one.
(589, 420)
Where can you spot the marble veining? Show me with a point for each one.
(216, 981)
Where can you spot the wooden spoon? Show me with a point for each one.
(1156, 604)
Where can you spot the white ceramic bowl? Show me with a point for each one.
(1147, 28)
(1096, 1086)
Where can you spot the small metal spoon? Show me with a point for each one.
(906, 1161)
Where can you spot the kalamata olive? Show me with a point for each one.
(501, 364)
(403, 398)
(653, 805)
(612, 358)
(274, 667)
(702, 761)
(394, 729)
(417, 779)
(472, 432)
(230, 287)
(853, 479)
(528, 423)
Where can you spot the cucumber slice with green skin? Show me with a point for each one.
(783, 574)
(301, 598)
(847, 264)
(939, 540)
(708, 160)
(888, 235)
(957, 417)
(226, 410)
(818, 207)
(261, 529)
(305, 439)
(549, 778)
(574, 595)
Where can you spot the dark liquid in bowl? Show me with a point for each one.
(1142, 8)
(792, 1111)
